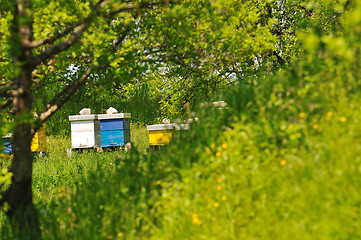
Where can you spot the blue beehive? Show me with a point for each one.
(114, 129)
(7, 144)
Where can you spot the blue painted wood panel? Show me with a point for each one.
(8, 147)
(114, 138)
(114, 124)
(111, 124)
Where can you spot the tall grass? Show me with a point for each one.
(281, 161)
(240, 172)
(60, 180)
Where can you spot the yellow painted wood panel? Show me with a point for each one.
(38, 142)
(35, 142)
(160, 137)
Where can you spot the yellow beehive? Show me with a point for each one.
(160, 134)
(38, 143)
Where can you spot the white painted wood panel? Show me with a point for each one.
(82, 117)
(82, 139)
(82, 126)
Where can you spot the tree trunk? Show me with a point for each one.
(22, 213)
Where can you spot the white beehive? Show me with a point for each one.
(85, 131)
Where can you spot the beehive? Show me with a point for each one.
(7, 144)
(85, 131)
(160, 134)
(114, 129)
(38, 143)
(181, 126)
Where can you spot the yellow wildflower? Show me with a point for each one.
(342, 119)
(196, 220)
(218, 154)
(216, 204)
(283, 162)
(224, 198)
(80, 183)
(224, 145)
(329, 114)
(219, 188)
(315, 126)
(219, 180)
(302, 115)
(120, 234)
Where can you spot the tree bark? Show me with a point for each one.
(22, 213)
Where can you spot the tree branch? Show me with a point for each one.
(5, 94)
(5, 88)
(347, 4)
(60, 99)
(79, 29)
(43, 83)
(6, 103)
(35, 44)
(61, 46)
(139, 6)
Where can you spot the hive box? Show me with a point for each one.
(85, 131)
(160, 134)
(7, 144)
(38, 143)
(114, 129)
(100, 130)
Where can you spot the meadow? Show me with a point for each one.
(261, 168)
(281, 161)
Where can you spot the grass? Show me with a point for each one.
(59, 170)
(57, 177)
(240, 182)
(242, 190)
(240, 173)
(232, 176)
(282, 161)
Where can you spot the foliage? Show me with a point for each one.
(186, 50)
(280, 161)
(5, 177)
(139, 100)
